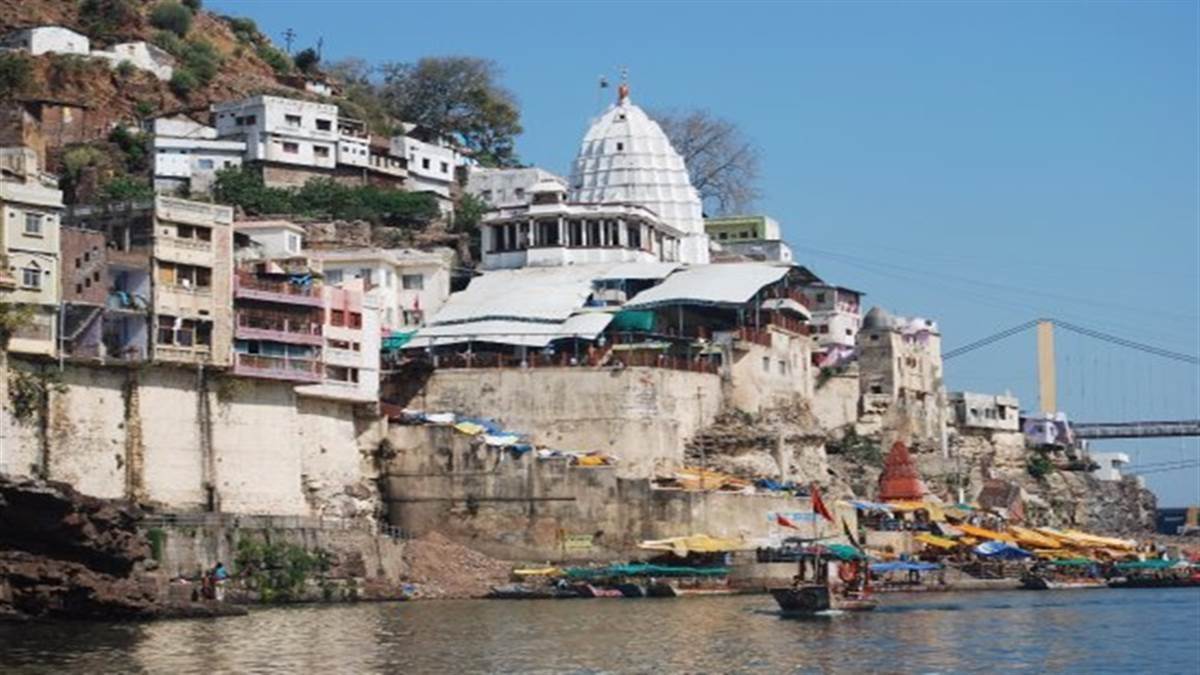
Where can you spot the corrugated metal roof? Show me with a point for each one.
(636, 270)
(724, 284)
(527, 294)
(517, 333)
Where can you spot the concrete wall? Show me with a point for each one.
(163, 435)
(522, 507)
(835, 402)
(643, 416)
(771, 377)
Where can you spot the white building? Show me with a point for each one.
(836, 315)
(354, 143)
(412, 284)
(47, 40)
(282, 130)
(187, 155)
(1110, 465)
(508, 188)
(985, 411)
(754, 237)
(431, 161)
(551, 231)
(274, 238)
(626, 158)
(140, 55)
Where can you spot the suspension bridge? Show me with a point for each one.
(1048, 378)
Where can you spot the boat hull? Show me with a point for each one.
(1044, 584)
(590, 591)
(631, 590)
(1134, 582)
(805, 600)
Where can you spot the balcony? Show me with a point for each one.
(194, 354)
(278, 327)
(251, 287)
(186, 251)
(277, 367)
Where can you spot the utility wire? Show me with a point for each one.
(1095, 334)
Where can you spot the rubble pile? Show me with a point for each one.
(441, 568)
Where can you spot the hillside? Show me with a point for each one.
(229, 58)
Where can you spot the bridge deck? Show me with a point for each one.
(1161, 429)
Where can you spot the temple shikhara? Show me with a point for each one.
(629, 199)
(900, 481)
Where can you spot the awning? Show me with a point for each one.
(786, 305)
(1001, 551)
(984, 533)
(904, 566)
(1032, 539)
(696, 543)
(728, 284)
(936, 541)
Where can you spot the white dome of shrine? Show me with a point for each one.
(626, 158)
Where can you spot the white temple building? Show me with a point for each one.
(629, 200)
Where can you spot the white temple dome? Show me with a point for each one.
(627, 158)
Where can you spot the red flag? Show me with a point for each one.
(818, 505)
(785, 521)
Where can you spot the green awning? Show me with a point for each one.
(397, 340)
(633, 320)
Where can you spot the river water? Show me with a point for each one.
(1089, 631)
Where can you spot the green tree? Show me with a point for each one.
(172, 16)
(459, 96)
(307, 60)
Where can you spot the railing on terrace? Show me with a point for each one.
(277, 323)
(628, 359)
(190, 244)
(279, 364)
(254, 283)
(251, 522)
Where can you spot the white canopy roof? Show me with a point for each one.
(519, 333)
(723, 284)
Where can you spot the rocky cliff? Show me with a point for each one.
(66, 555)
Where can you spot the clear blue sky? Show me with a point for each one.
(979, 163)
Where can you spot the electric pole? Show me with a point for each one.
(289, 36)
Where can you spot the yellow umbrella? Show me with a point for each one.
(936, 541)
(984, 533)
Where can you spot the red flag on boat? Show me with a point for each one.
(784, 521)
(818, 505)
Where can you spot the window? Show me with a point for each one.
(337, 317)
(413, 317)
(413, 282)
(293, 242)
(723, 235)
(820, 297)
(291, 148)
(321, 151)
(387, 278)
(333, 277)
(33, 224)
(782, 367)
(246, 120)
(425, 163)
(766, 364)
(355, 320)
(620, 147)
(486, 195)
(292, 120)
(365, 275)
(445, 167)
(519, 193)
(823, 329)
(204, 164)
(77, 263)
(31, 277)
(324, 125)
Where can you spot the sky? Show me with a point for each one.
(981, 164)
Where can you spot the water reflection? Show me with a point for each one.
(1082, 631)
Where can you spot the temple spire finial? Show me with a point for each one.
(623, 88)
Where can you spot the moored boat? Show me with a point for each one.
(630, 589)
(1035, 582)
(591, 591)
(1140, 581)
(828, 580)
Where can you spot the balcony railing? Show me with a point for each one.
(278, 367)
(251, 286)
(267, 326)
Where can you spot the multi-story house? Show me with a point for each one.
(507, 188)
(277, 304)
(84, 262)
(412, 284)
(31, 206)
(291, 140)
(432, 162)
(836, 315)
(352, 341)
(188, 155)
(754, 237)
(180, 252)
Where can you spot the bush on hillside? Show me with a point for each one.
(108, 20)
(183, 83)
(307, 60)
(16, 72)
(172, 16)
(194, 5)
(134, 147)
(126, 188)
(274, 57)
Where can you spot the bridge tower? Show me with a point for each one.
(1047, 379)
